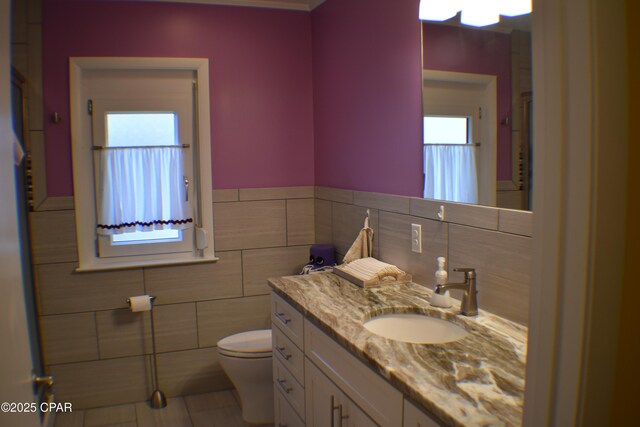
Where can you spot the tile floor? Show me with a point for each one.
(218, 409)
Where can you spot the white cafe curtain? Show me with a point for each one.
(141, 189)
(450, 173)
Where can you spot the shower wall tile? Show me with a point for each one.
(102, 382)
(260, 264)
(69, 338)
(277, 193)
(226, 195)
(218, 319)
(502, 262)
(472, 215)
(123, 333)
(322, 220)
(347, 221)
(395, 245)
(509, 199)
(196, 282)
(425, 208)
(516, 222)
(248, 225)
(62, 290)
(334, 194)
(53, 236)
(191, 372)
(300, 220)
(386, 202)
(457, 213)
(176, 327)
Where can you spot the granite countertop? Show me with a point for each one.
(476, 381)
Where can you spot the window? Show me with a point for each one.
(449, 156)
(447, 130)
(460, 136)
(142, 169)
(141, 177)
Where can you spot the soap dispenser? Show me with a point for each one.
(441, 279)
(441, 274)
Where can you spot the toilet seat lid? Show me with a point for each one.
(250, 342)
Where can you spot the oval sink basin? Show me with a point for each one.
(415, 328)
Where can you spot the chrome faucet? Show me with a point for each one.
(469, 304)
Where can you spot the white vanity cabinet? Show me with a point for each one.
(414, 417)
(285, 416)
(327, 405)
(318, 383)
(287, 327)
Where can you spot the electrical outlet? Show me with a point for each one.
(416, 238)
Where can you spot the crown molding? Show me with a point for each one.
(304, 5)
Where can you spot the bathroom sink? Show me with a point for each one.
(415, 328)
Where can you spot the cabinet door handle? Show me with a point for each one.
(340, 416)
(333, 408)
(281, 317)
(282, 353)
(283, 384)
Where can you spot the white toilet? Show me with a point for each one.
(247, 360)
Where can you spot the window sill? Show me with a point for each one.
(114, 264)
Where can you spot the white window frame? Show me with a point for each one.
(83, 182)
(456, 103)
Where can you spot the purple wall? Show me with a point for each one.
(468, 50)
(367, 95)
(260, 77)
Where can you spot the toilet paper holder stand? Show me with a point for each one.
(158, 400)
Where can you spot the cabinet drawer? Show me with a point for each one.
(284, 413)
(379, 399)
(414, 417)
(290, 388)
(286, 352)
(288, 319)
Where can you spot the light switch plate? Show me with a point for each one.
(416, 238)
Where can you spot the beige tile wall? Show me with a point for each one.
(497, 242)
(100, 352)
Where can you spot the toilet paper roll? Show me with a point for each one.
(140, 303)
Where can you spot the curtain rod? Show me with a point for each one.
(473, 144)
(101, 147)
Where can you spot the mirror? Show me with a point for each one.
(477, 104)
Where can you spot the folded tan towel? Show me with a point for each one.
(362, 247)
(368, 271)
(371, 268)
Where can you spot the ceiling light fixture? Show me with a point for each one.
(438, 10)
(515, 7)
(480, 13)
